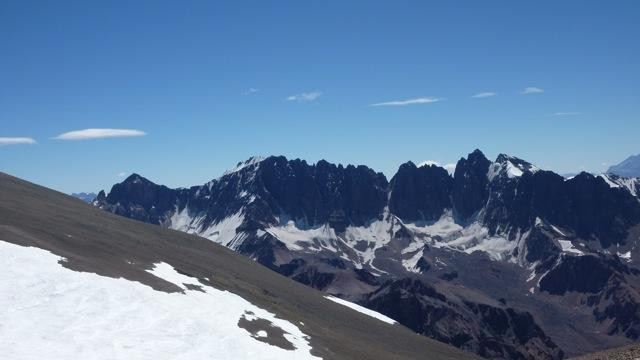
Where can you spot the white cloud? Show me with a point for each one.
(451, 168)
(429, 162)
(251, 91)
(420, 100)
(16, 140)
(531, 90)
(122, 174)
(99, 133)
(305, 96)
(484, 95)
(569, 113)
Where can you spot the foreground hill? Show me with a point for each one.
(631, 352)
(501, 258)
(81, 282)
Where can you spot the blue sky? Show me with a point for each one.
(212, 83)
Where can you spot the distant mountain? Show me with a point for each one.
(86, 197)
(628, 168)
(501, 258)
(78, 282)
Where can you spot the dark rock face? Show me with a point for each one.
(423, 265)
(449, 276)
(319, 193)
(596, 209)
(606, 285)
(619, 306)
(366, 277)
(349, 245)
(584, 203)
(489, 331)
(540, 247)
(584, 274)
(314, 278)
(140, 199)
(422, 193)
(470, 190)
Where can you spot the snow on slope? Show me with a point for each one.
(445, 233)
(361, 309)
(375, 234)
(614, 181)
(241, 165)
(51, 312)
(567, 246)
(222, 232)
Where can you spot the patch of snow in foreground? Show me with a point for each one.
(567, 246)
(362, 309)
(51, 312)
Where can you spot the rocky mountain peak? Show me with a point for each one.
(249, 163)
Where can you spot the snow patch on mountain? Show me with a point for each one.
(244, 164)
(362, 309)
(411, 264)
(446, 233)
(222, 232)
(63, 314)
(313, 238)
(630, 184)
(568, 247)
(374, 235)
(510, 166)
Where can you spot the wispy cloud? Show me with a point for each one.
(484, 95)
(531, 90)
(305, 96)
(16, 141)
(87, 134)
(122, 174)
(568, 113)
(420, 100)
(251, 91)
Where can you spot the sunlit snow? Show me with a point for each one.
(51, 312)
(567, 246)
(362, 309)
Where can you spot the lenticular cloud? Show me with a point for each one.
(99, 133)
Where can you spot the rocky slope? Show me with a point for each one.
(78, 282)
(502, 258)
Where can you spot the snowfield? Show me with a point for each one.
(51, 312)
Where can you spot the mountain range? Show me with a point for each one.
(79, 283)
(500, 258)
(85, 196)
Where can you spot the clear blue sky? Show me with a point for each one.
(183, 73)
